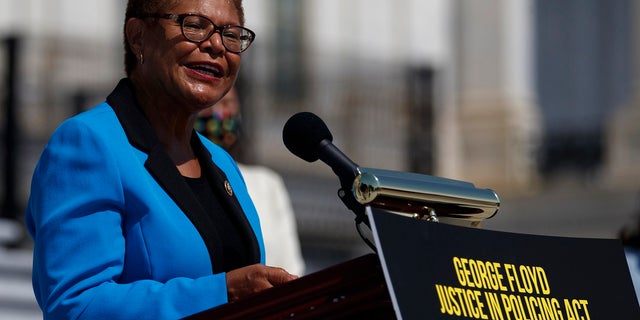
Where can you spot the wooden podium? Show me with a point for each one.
(351, 290)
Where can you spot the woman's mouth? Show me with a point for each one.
(208, 70)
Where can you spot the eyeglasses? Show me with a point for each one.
(198, 29)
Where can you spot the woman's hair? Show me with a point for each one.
(141, 8)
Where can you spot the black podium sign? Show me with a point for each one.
(440, 271)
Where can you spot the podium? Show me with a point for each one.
(351, 290)
(429, 270)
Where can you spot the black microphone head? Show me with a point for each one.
(302, 134)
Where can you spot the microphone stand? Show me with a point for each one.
(346, 196)
(347, 171)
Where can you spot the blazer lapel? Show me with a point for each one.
(161, 167)
(165, 172)
(221, 186)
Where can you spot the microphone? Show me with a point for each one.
(417, 195)
(309, 138)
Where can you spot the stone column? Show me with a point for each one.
(496, 115)
(622, 167)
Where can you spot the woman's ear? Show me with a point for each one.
(134, 31)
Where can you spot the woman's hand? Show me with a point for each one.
(248, 280)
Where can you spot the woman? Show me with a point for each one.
(134, 215)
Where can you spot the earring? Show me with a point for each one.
(141, 58)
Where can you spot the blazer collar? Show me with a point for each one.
(142, 136)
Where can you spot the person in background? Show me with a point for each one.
(629, 235)
(133, 214)
(221, 123)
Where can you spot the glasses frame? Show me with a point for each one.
(180, 18)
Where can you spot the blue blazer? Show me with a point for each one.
(117, 232)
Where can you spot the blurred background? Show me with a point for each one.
(535, 99)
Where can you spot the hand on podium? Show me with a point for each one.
(248, 280)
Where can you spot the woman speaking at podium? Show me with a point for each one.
(133, 214)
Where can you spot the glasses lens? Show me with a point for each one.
(196, 28)
(236, 39)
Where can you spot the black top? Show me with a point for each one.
(233, 253)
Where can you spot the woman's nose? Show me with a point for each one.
(214, 43)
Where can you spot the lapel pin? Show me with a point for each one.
(227, 186)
